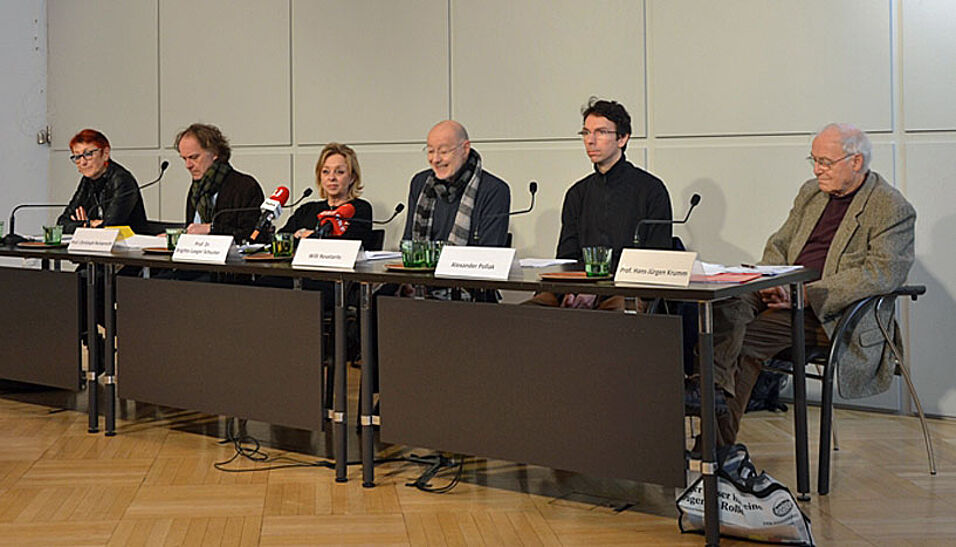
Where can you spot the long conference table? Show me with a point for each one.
(579, 390)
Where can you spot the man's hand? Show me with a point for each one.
(303, 233)
(776, 298)
(201, 229)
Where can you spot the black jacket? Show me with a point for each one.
(114, 197)
(238, 191)
(603, 209)
(306, 217)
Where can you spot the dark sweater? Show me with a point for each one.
(489, 217)
(306, 217)
(114, 197)
(604, 209)
(238, 191)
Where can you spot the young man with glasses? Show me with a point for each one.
(604, 208)
(456, 201)
(854, 228)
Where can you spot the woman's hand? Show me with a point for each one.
(303, 233)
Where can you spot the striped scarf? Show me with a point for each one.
(465, 183)
(202, 190)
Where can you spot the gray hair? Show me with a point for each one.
(853, 139)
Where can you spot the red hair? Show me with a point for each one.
(90, 136)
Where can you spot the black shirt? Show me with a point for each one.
(604, 209)
(306, 216)
(114, 197)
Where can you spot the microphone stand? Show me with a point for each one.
(638, 243)
(532, 189)
(12, 239)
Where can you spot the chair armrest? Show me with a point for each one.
(912, 291)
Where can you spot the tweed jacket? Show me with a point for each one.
(871, 253)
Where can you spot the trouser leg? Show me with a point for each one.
(731, 318)
(767, 335)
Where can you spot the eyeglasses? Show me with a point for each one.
(600, 133)
(826, 163)
(442, 151)
(75, 158)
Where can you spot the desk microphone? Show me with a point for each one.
(398, 209)
(334, 222)
(12, 239)
(100, 205)
(532, 188)
(694, 200)
(305, 194)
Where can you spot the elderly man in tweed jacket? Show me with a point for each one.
(854, 228)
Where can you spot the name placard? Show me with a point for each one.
(93, 240)
(655, 267)
(326, 254)
(205, 249)
(475, 262)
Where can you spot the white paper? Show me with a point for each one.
(142, 241)
(326, 254)
(713, 269)
(459, 262)
(382, 255)
(544, 262)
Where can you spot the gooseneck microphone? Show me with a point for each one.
(12, 239)
(638, 243)
(398, 209)
(532, 189)
(162, 171)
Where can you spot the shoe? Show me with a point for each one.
(692, 398)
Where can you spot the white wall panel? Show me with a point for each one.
(746, 193)
(271, 169)
(522, 70)
(226, 63)
(931, 188)
(103, 70)
(369, 71)
(929, 67)
(755, 67)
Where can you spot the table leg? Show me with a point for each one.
(708, 420)
(92, 344)
(340, 402)
(109, 316)
(369, 366)
(799, 390)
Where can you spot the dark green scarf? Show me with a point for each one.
(202, 190)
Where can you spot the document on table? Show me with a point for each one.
(544, 262)
(381, 255)
(141, 241)
(769, 270)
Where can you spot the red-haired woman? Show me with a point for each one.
(107, 194)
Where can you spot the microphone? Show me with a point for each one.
(532, 189)
(694, 200)
(271, 209)
(335, 221)
(398, 209)
(305, 194)
(162, 171)
(12, 239)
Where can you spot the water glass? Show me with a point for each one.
(52, 235)
(597, 261)
(172, 237)
(433, 252)
(282, 244)
(414, 253)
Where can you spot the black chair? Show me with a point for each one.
(826, 361)
(159, 226)
(377, 240)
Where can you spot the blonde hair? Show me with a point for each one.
(351, 162)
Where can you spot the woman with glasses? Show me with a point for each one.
(339, 178)
(108, 194)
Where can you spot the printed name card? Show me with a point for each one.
(326, 254)
(93, 240)
(655, 267)
(475, 262)
(204, 249)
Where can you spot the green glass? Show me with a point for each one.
(414, 253)
(597, 261)
(172, 237)
(433, 252)
(282, 245)
(52, 235)
(1, 228)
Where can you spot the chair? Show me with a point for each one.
(825, 359)
(377, 240)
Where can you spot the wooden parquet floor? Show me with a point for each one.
(155, 484)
